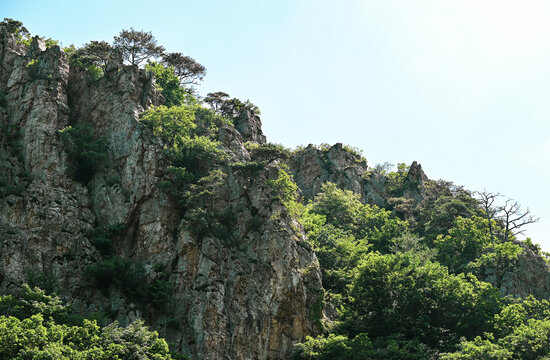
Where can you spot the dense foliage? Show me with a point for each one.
(401, 295)
(37, 326)
(401, 280)
(85, 150)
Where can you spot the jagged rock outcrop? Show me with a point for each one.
(248, 290)
(246, 293)
(312, 167)
(528, 276)
(250, 127)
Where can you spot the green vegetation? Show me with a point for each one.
(231, 108)
(16, 28)
(169, 85)
(404, 295)
(187, 133)
(137, 46)
(402, 278)
(267, 153)
(85, 150)
(36, 326)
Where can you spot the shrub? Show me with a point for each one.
(127, 276)
(267, 152)
(248, 169)
(283, 188)
(168, 84)
(36, 337)
(85, 150)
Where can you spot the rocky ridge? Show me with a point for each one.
(250, 284)
(258, 281)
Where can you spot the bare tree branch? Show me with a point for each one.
(487, 200)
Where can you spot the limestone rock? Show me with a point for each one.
(240, 294)
(529, 276)
(250, 127)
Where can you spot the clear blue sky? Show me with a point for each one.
(463, 87)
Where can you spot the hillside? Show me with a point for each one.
(128, 197)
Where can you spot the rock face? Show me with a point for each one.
(243, 294)
(246, 291)
(338, 164)
(530, 275)
(250, 127)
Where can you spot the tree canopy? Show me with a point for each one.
(137, 46)
(186, 69)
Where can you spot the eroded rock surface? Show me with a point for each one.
(242, 294)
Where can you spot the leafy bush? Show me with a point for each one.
(499, 256)
(169, 85)
(37, 338)
(129, 277)
(85, 150)
(464, 243)
(401, 294)
(522, 331)
(186, 132)
(267, 153)
(340, 347)
(443, 202)
(411, 243)
(283, 188)
(248, 169)
(32, 301)
(344, 210)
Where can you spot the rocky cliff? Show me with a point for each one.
(250, 290)
(243, 294)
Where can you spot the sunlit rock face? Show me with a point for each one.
(242, 294)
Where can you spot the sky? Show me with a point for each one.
(461, 86)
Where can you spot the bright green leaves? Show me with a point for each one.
(170, 124)
(283, 188)
(37, 338)
(468, 247)
(31, 302)
(523, 329)
(344, 210)
(419, 300)
(464, 243)
(340, 347)
(193, 177)
(343, 231)
(179, 127)
(168, 84)
(339, 254)
(500, 256)
(33, 326)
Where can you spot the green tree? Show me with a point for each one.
(169, 85)
(228, 107)
(98, 53)
(465, 242)
(443, 202)
(137, 46)
(34, 326)
(15, 27)
(402, 294)
(186, 69)
(85, 150)
(344, 210)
